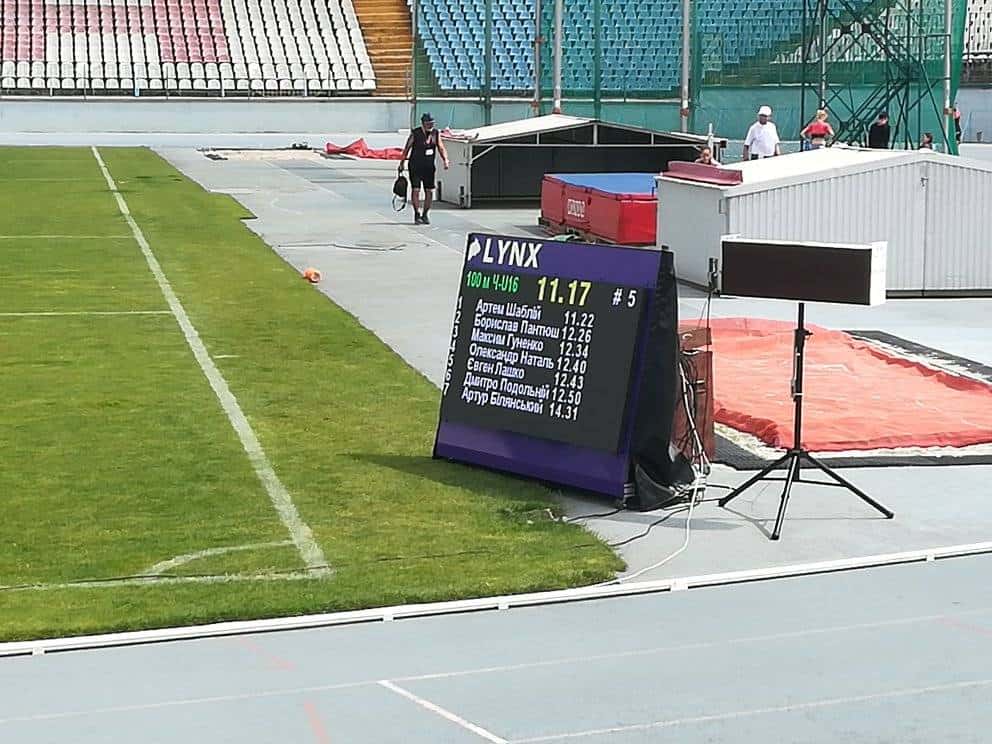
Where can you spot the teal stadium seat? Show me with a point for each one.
(636, 58)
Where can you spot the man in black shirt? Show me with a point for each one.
(421, 146)
(878, 133)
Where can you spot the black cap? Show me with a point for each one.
(426, 117)
(883, 114)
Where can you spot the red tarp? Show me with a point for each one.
(360, 149)
(857, 397)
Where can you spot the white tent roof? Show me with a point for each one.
(551, 123)
(519, 128)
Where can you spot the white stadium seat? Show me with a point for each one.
(292, 47)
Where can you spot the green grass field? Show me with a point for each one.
(117, 456)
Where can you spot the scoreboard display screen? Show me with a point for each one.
(543, 348)
(547, 356)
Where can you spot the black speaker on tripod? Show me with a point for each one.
(806, 272)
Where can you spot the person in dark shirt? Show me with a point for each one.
(421, 148)
(878, 133)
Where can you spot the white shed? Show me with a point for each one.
(932, 209)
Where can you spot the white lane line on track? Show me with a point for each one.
(732, 715)
(188, 701)
(482, 670)
(700, 645)
(300, 532)
(445, 714)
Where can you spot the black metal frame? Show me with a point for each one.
(796, 453)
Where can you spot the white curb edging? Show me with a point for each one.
(505, 602)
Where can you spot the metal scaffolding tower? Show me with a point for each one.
(900, 56)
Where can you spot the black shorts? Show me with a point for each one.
(422, 175)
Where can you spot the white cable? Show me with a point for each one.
(696, 490)
(688, 534)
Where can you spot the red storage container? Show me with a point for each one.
(626, 219)
(553, 200)
(616, 207)
(577, 201)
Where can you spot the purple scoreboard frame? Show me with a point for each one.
(544, 459)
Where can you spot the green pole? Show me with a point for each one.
(414, 13)
(696, 66)
(538, 39)
(597, 65)
(954, 28)
(948, 120)
(685, 72)
(921, 39)
(487, 83)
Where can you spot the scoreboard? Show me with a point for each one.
(544, 357)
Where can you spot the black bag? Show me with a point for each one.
(400, 189)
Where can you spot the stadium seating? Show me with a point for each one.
(642, 56)
(308, 47)
(978, 32)
(183, 47)
(637, 57)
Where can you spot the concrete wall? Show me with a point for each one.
(729, 110)
(207, 115)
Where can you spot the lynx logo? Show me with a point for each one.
(522, 253)
(576, 208)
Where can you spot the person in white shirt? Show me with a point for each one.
(762, 138)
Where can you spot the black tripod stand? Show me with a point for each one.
(796, 453)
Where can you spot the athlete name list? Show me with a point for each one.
(527, 358)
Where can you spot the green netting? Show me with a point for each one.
(623, 59)
(854, 59)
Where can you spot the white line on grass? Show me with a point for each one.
(167, 580)
(182, 560)
(446, 714)
(500, 603)
(44, 179)
(47, 314)
(300, 532)
(63, 237)
(732, 715)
